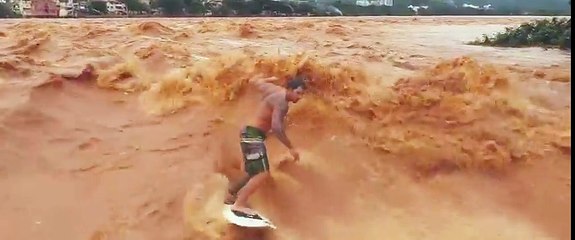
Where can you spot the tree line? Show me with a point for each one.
(347, 7)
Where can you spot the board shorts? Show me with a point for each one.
(255, 158)
(254, 150)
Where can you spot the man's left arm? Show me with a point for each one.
(264, 85)
(258, 79)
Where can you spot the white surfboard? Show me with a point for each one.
(245, 220)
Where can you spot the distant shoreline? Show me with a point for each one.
(291, 16)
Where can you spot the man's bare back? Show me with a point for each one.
(273, 107)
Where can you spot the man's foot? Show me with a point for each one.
(230, 199)
(245, 210)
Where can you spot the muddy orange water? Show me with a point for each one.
(128, 129)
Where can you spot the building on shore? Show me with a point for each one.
(45, 8)
(63, 8)
(116, 7)
(37, 8)
(367, 3)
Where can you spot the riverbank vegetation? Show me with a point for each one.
(548, 33)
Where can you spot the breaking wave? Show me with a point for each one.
(458, 115)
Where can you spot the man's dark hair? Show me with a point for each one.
(296, 82)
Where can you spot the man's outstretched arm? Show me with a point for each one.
(260, 79)
(278, 127)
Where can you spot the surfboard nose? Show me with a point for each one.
(246, 220)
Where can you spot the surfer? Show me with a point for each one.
(270, 115)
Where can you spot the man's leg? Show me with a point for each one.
(250, 188)
(256, 166)
(234, 188)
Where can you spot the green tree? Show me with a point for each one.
(171, 7)
(136, 6)
(98, 6)
(6, 10)
(443, 8)
(194, 6)
(237, 5)
(154, 4)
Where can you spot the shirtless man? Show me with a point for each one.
(269, 116)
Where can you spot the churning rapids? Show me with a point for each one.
(127, 129)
